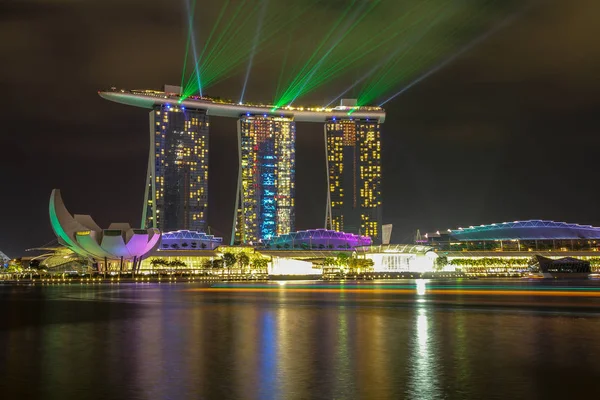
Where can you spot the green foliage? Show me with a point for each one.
(243, 260)
(217, 264)
(329, 261)
(348, 263)
(177, 264)
(440, 262)
(14, 268)
(260, 263)
(360, 263)
(491, 262)
(342, 259)
(229, 259)
(161, 262)
(594, 261)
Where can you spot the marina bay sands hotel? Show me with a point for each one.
(176, 196)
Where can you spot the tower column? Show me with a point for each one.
(353, 149)
(237, 231)
(328, 216)
(266, 187)
(176, 194)
(149, 208)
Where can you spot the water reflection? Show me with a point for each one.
(163, 342)
(422, 369)
(421, 286)
(344, 385)
(268, 357)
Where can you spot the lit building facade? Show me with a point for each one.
(399, 258)
(316, 239)
(518, 236)
(120, 246)
(266, 183)
(354, 176)
(177, 184)
(189, 240)
(176, 187)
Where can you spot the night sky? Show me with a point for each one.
(508, 131)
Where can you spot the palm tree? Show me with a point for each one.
(366, 264)
(243, 260)
(260, 264)
(217, 263)
(177, 264)
(441, 262)
(229, 259)
(342, 259)
(158, 262)
(207, 264)
(15, 267)
(329, 261)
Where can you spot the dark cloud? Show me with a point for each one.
(507, 131)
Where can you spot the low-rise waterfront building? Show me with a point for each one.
(318, 239)
(530, 235)
(192, 240)
(511, 247)
(400, 258)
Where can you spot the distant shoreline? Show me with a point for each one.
(99, 280)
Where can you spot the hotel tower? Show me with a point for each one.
(267, 162)
(176, 194)
(354, 176)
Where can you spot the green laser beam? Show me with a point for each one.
(349, 60)
(207, 43)
(187, 45)
(316, 52)
(382, 75)
(285, 57)
(315, 68)
(223, 33)
(230, 55)
(382, 84)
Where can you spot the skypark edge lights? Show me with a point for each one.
(220, 108)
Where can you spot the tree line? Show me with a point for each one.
(349, 262)
(228, 261)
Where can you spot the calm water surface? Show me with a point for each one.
(404, 340)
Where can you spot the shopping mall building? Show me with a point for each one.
(511, 246)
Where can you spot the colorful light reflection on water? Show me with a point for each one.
(421, 287)
(298, 340)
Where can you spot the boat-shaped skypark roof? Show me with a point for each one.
(221, 108)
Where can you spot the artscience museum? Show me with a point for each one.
(118, 247)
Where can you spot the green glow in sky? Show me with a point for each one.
(372, 47)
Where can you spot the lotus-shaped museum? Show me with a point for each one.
(82, 235)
